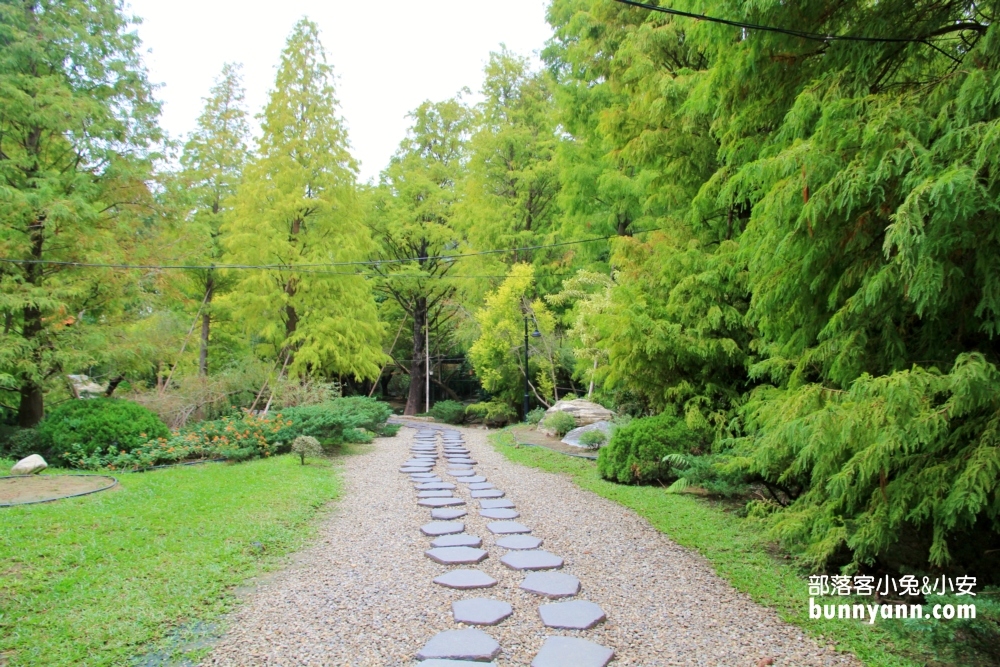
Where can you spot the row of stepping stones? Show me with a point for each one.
(453, 546)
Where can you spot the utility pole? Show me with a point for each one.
(427, 364)
(526, 387)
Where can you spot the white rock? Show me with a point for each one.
(573, 437)
(29, 465)
(583, 411)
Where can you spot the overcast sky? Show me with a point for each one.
(389, 56)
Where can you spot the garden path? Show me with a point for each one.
(364, 594)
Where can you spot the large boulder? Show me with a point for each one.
(573, 437)
(583, 411)
(29, 466)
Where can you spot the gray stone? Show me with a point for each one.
(440, 502)
(499, 514)
(583, 411)
(459, 540)
(422, 475)
(433, 479)
(519, 542)
(419, 463)
(495, 503)
(447, 513)
(573, 437)
(455, 663)
(472, 480)
(442, 528)
(572, 652)
(413, 469)
(461, 473)
(465, 579)
(551, 584)
(443, 493)
(532, 559)
(507, 527)
(435, 486)
(461, 460)
(456, 555)
(574, 615)
(480, 611)
(487, 493)
(479, 486)
(29, 465)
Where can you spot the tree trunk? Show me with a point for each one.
(31, 408)
(206, 323)
(416, 398)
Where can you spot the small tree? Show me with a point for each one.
(306, 445)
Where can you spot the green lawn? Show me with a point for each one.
(730, 543)
(99, 579)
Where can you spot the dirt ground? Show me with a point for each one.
(32, 488)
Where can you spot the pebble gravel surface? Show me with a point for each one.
(363, 594)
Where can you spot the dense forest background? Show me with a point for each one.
(787, 240)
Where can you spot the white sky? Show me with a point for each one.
(389, 56)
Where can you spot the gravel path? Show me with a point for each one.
(363, 594)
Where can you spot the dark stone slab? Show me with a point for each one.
(440, 502)
(456, 555)
(472, 480)
(479, 486)
(435, 528)
(495, 503)
(459, 466)
(487, 493)
(458, 540)
(419, 463)
(435, 494)
(519, 542)
(412, 469)
(462, 462)
(573, 615)
(499, 514)
(465, 579)
(455, 663)
(480, 611)
(551, 584)
(447, 513)
(572, 652)
(434, 486)
(532, 559)
(454, 472)
(507, 527)
(422, 475)
(433, 479)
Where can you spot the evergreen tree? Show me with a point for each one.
(298, 205)
(77, 131)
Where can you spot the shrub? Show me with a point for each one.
(451, 412)
(18, 443)
(593, 439)
(304, 446)
(535, 416)
(338, 421)
(560, 422)
(92, 426)
(492, 412)
(638, 451)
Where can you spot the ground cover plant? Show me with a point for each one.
(96, 580)
(740, 553)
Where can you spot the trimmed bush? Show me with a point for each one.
(560, 422)
(593, 439)
(637, 450)
(492, 412)
(88, 427)
(304, 446)
(338, 421)
(535, 416)
(17, 443)
(450, 412)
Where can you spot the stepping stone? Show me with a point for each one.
(422, 475)
(455, 663)
(507, 527)
(459, 540)
(447, 513)
(487, 493)
(572, 652)
(519, 542)
(551, 584)
(472, 480)
(459, 466)
(462, 462)
(532, 559)
(456, 555)
(574, 615)
(480, 611)
(461, 473)
(440, 502)
(435, 494)
(435, 486)
(479, 486)
(427, 480)
(465, 579)
(415, 469)
(495, 503)
(442, 528)
(499, 514)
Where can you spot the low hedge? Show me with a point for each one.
(88, 427)
(637, 450)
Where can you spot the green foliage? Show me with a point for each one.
(304, 446)
(535, 416)
(84, 428)
(343, 420)
(493, 412)
(593, 439)
(17, 443)
(451, 412)
(560, 422)
(638, 452)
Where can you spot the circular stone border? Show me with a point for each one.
(114, 483)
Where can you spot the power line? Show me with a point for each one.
(815, 36)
